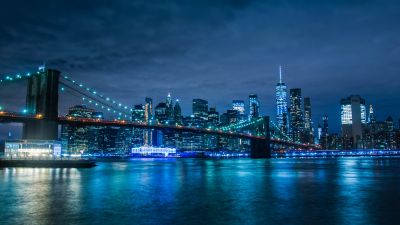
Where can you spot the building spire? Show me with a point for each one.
(280, 74)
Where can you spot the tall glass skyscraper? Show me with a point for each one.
(308, 125)
(281, 103)
(296, 115)
(177, 113)
(353, 117)
(170, 108)
(254, 105)
(148, 118)
(200, 108)
(148, 110)
(238, 105)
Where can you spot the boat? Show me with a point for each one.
(152, 151)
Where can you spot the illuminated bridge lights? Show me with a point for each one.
(120, 108)
(17, 76)
(95, 93)
(99, 105)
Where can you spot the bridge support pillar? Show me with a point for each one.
(260, 148)
(42, 98)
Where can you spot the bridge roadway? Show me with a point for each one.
(6, 117)
(18, 118)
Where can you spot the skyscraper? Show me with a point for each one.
(319, 133)
(200, 108)
(323, 133)
(148, 110)
(170, 108)
(160, 113)
(238, 105)
(325, 126)
(138, 134)
(371, 115)
(281, 103)
(213, 117)
(75, 138)
(353, 116)
(229, 117)
(138, 113)
(308, 128)
(169, 100)
(177, 113)
(254, 106)
(307, 114)
(296, 115)
(148, 117)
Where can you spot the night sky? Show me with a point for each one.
(215, 50)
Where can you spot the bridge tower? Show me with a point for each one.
(260, 148)
(42, 98)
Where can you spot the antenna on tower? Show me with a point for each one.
(280, 73)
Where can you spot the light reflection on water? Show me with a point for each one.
(197, 191)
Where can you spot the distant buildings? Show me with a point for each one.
(359, 129)
(254, 107)
(380, 135)
(77, 139)
(294, 120)
(229, 117)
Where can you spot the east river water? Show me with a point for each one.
(206, 191)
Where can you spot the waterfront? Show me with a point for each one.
(361, 190)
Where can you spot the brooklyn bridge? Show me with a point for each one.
(41, 117)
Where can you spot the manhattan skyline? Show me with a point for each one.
(133, 50)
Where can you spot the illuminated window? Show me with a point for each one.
(346, 116)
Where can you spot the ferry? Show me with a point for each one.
(152, 151)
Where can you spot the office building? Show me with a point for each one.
(238, 105)
(281, 103)
(148, 110)
(200, 108)
(296, 124)
(170, 109)
(371, 115)
(160, 113)
(353, 117)
(254, 107)
(138, 113)
(177, 113)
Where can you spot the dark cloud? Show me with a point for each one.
(217, 50)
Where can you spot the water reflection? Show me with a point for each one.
(196, 191)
